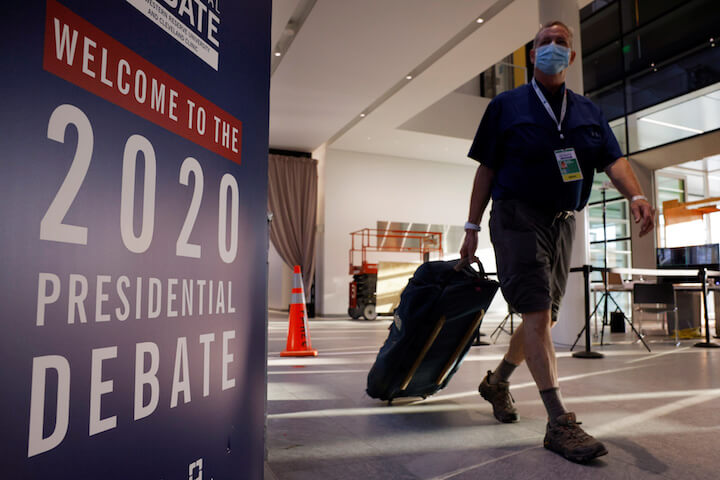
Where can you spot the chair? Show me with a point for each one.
(614, 280)
(656, 298)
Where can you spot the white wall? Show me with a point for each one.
(361, 189)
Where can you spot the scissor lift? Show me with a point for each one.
(362, 297)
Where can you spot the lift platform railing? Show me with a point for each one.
(369, 240)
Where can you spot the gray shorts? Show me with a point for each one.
(532, 251)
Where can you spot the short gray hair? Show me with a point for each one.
(554, 23)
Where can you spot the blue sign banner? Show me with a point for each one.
(133, 187)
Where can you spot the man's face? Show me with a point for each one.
(556, 34)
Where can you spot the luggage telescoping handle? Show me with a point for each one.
(423, 352)
(453, 358)
(461, 346)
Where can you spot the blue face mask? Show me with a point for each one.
(552, 59)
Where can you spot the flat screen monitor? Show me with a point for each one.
(689, 257)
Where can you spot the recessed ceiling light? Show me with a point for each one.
(277, 54)
(409, 77)
(480, 20)
(362, 115)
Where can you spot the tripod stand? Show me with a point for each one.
(606, 294)
(501, 328)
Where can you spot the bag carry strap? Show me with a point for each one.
(463, 265)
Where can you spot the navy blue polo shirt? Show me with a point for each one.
(517, 139)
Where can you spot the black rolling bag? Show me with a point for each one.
(439, 313)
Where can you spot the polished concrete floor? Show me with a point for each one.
(658, 413)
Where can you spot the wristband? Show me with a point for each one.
(638, 197)
(472, 226)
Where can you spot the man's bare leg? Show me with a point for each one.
(563, 435)
(531, 341)
(495, 387)
(516, 350)
(538, 349)
(513, 358)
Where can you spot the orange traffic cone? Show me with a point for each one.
(298, 342)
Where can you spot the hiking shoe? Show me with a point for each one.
(566, 438)
(498, 394)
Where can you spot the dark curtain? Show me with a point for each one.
(292, 199)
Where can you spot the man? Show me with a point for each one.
(537, 146)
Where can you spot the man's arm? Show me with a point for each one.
(478, 201)
(626, 182)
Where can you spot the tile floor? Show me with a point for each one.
(658, 413)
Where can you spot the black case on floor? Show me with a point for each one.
(440, 311)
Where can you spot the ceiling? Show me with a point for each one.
(344, 58)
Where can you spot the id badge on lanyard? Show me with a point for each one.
(568, 163)
(566, 158)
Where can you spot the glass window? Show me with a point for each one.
(714, 184)
(603, 67)
(600, 29)
(664, 196)
(667, 187)
(686, 233)
(688, 74)
(639, 12)
(617, 227)
(673, 184)
(688, 182)
(696, 186)
(680, 30)
(618, 129)
(611, 193)
(508, 73)
(595, 193)
(676, 119)
(594, 6)
(616, 220)
(666, 49)
(618, 256)
(609, 99)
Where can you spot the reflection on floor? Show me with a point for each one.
(658, 413)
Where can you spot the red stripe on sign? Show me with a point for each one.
(80, 53)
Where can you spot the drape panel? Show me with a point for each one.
(292, 199)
